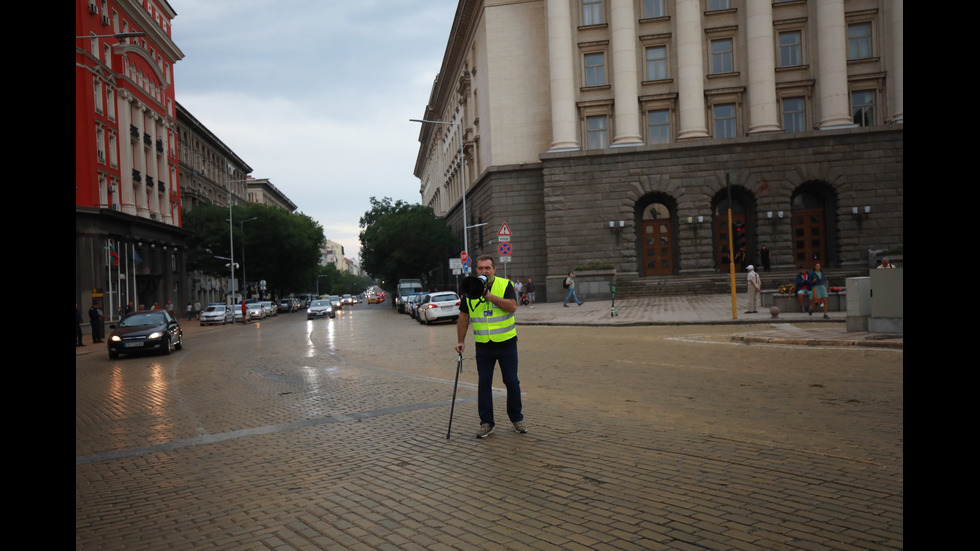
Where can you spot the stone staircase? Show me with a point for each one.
(717, 283)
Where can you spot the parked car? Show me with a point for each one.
(217, 313)
(146, 331)
(412, 306)
(269, 308)
(287, 305)
(320, 308)
(348, 299)
(405, 306)
(255, 310)
(438, 307)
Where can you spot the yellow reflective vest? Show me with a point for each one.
(489, 322)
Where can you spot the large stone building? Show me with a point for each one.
(129, 246)
(614, 132)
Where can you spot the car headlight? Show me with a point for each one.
(155, 335)
(115, 338)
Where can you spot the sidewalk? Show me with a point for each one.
(787, 327)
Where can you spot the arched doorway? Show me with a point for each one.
(811, 228)
(739, 216)
(657, 240)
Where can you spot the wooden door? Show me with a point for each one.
(809, 237)
(658, 247)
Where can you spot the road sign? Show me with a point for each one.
(505, 259)
(462, 256)
(504, 231)
(504, 249)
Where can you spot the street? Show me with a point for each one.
(331, 434)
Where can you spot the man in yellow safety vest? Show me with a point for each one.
(495, 333)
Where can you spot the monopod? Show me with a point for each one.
(459, 369)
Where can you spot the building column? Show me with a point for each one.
(127, 190)
(763, 107)
(139, 161)
(835, 109)
(896, 74)
(690, 70)
(152, 166)
(561, 57)
(626, 83)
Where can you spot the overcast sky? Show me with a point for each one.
(316, 95)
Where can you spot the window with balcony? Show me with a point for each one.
(723, 116)
(859, 41)
(658, 126)
(794, 114)
(790, 48)
(863, 107)
(595, 69)
(653, 8)
(597, 132)
(722, 56)
(656, 63)
(591, 12)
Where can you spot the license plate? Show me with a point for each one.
(134, 344)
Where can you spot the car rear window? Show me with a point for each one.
(444, 298)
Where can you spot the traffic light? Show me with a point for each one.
(740, 237)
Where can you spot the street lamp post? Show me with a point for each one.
(231, 241)
(244, 278)
(462, 172)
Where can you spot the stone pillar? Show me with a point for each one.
(626, 83)
(832, 52)
(561, 57)
(895, 11)
(690, 70)
(763, 107)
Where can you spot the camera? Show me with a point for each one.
(474, 286)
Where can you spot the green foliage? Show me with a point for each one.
(271, 244)
(331, 281)
(401, 240)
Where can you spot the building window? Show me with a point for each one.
(724, 119)
(595, 69)
(863, 107)
(794, 114)
(597, 132)
(658, 126)
(859, 41)
(656, 60)
(722, 56)
(591, 12)
(715, 5)
(653, 8)
(790, 49)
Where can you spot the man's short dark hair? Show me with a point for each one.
(483, 257)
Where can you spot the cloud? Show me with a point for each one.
(316, 96)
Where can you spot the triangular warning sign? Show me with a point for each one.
(504, 230)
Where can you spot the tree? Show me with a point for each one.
(276, 246)
(401, 240)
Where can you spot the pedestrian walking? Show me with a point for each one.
(530, 292)
(569, 286)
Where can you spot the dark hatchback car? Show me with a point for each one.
(145, 332)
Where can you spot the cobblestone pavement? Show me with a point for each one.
(331, 434)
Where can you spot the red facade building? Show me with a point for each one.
(129, 245)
